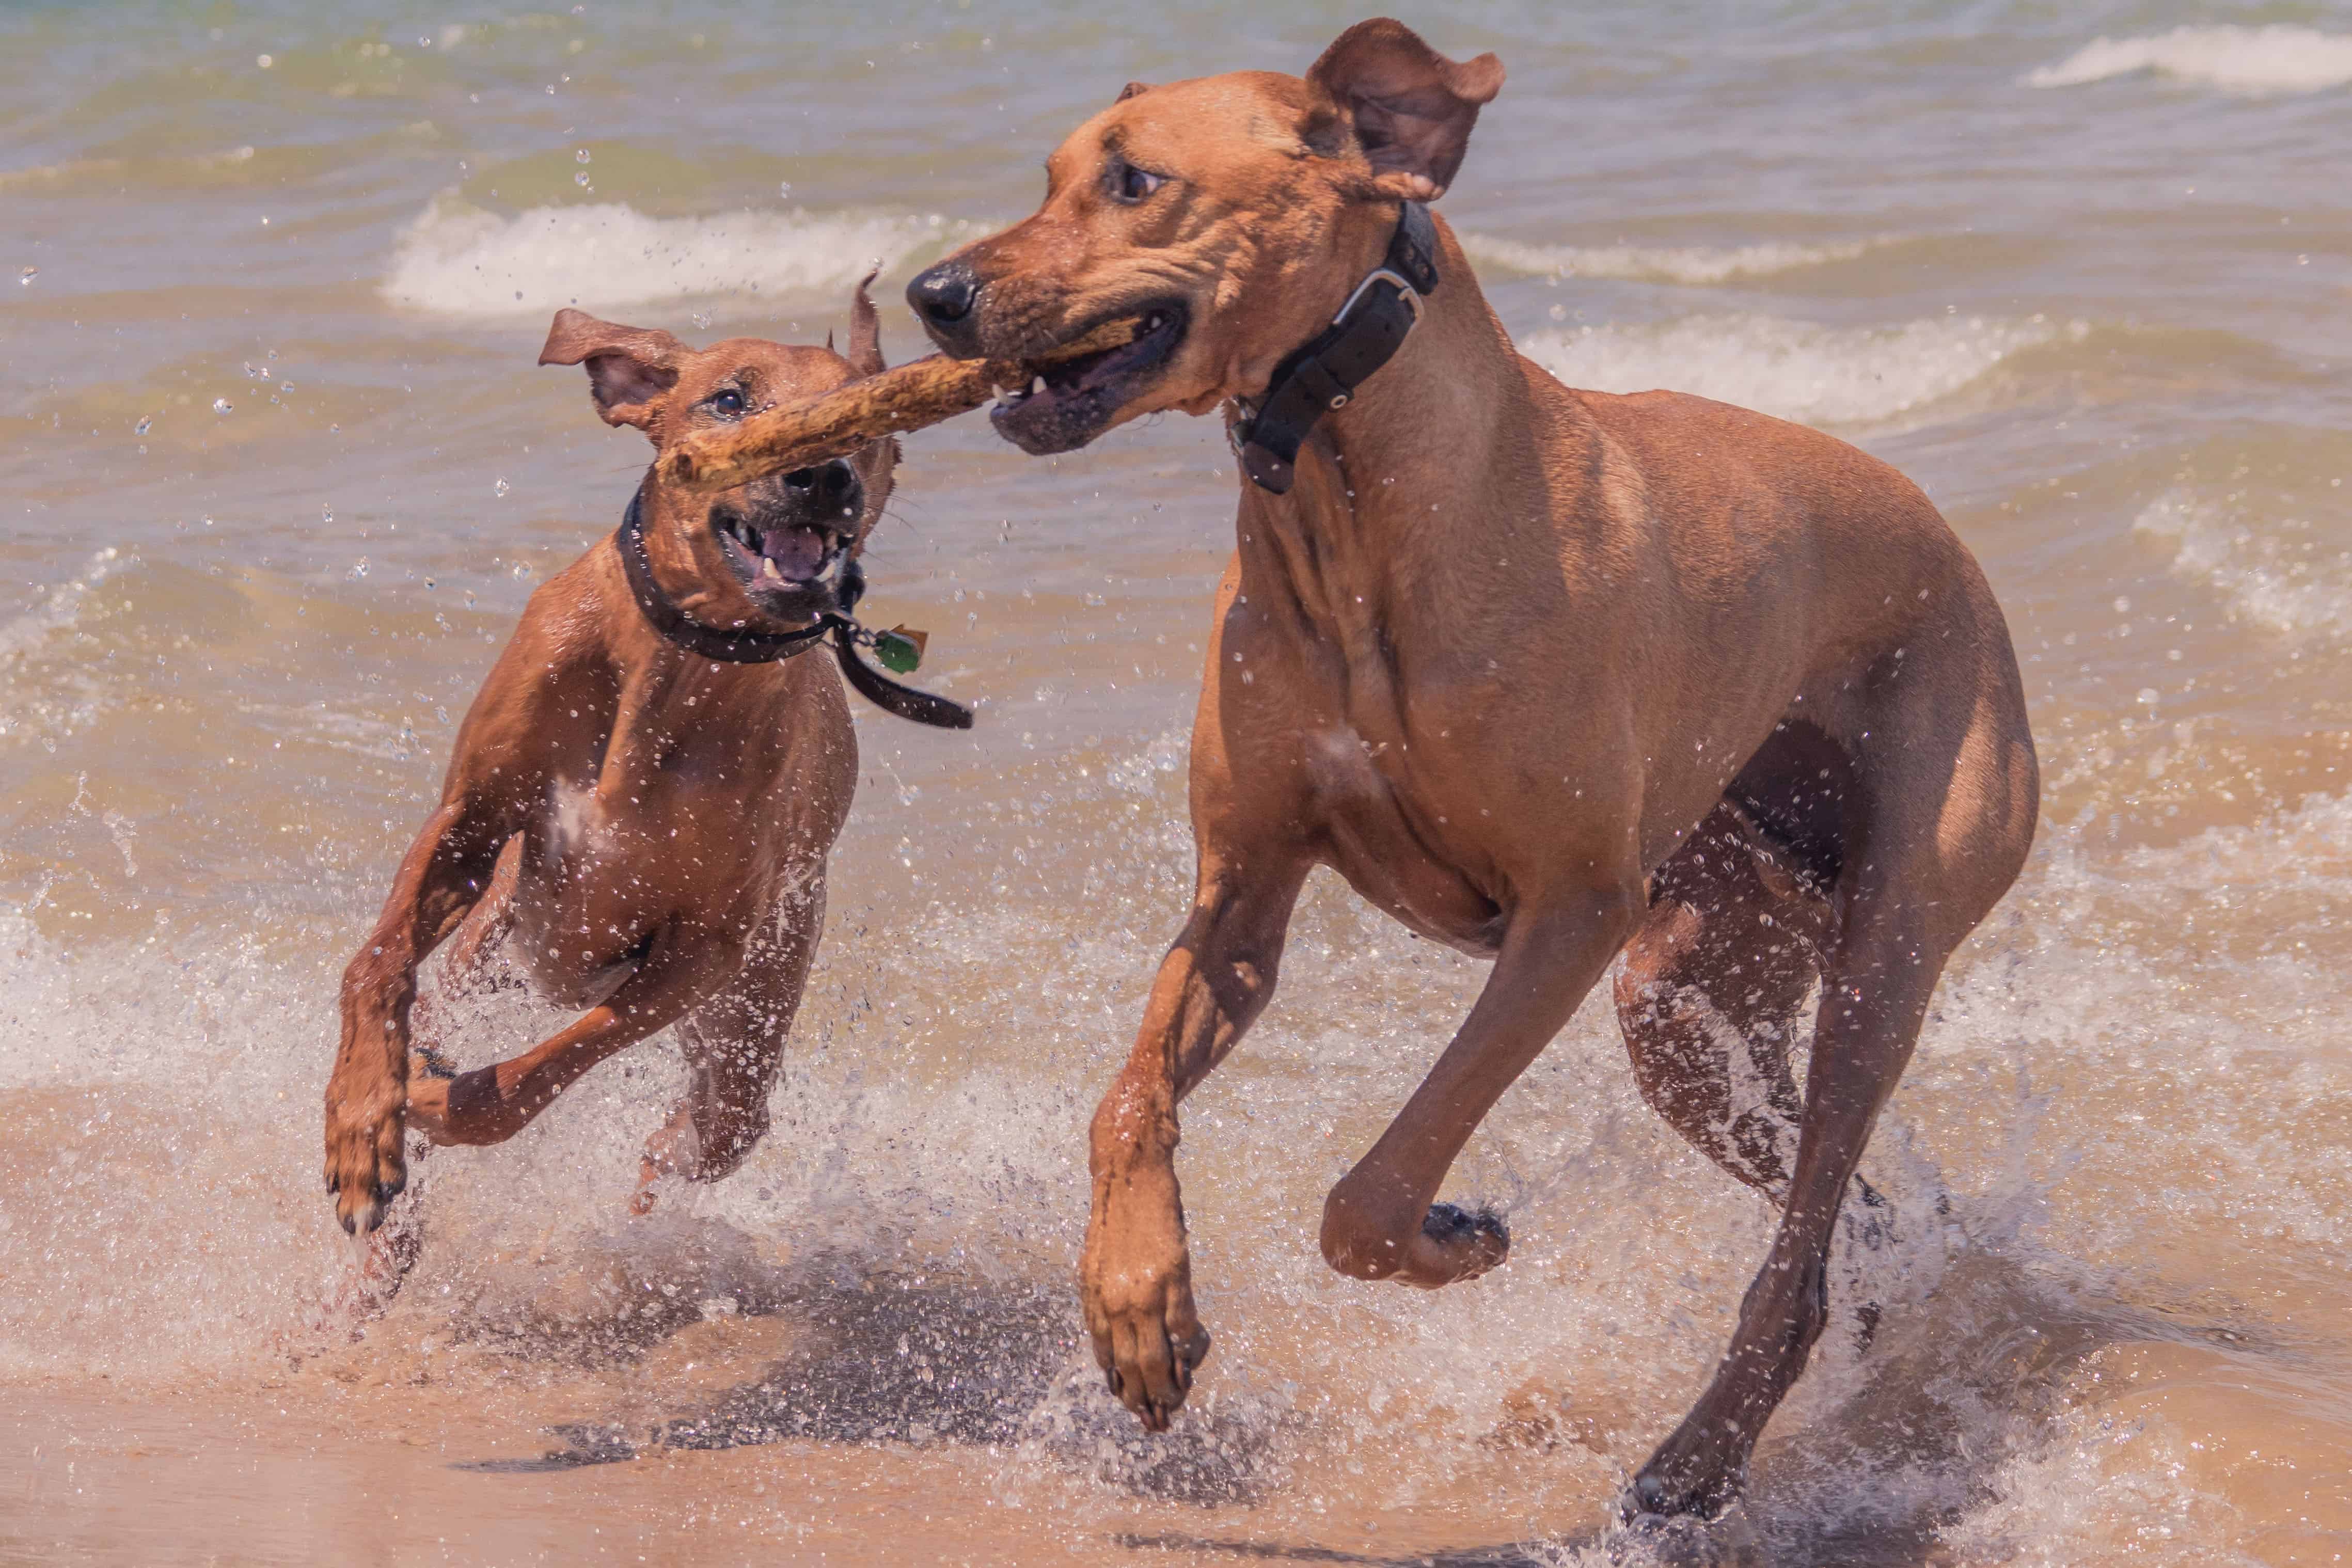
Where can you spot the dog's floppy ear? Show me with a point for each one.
(865, 332)
(1412, 108)
(628, 367)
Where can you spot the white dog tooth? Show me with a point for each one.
(1037, 383)
(768, 568)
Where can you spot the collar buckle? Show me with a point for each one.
(1405, 291)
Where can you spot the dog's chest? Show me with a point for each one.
(1393, 848)
(682, 823)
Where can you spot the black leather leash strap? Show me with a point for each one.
(1323, 374)
(743, 647)
(923, 708)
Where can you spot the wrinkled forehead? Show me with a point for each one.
(781, 371)
(1237, 118)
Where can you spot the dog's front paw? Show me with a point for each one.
(1456, 1244)
(1148, 1340)
(365, 1168)
(1136, 1283)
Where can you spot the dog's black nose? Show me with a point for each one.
(832, 486)
(942, 295)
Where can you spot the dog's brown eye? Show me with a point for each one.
(726, 403)
(1129, 183)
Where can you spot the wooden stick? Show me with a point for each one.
(909, 397)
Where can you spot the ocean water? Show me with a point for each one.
(279, 471)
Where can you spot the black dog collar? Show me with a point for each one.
(665, 616)
(1324, 374)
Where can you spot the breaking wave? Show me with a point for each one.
(1794, 370)
(2275, 59)
(457, 259)
(1663, 263)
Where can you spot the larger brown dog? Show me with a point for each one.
(1546, 675)
(643, 828)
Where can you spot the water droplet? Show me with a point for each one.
(785, 189)
(582, 155)
(286, 386)
(327, 515)
(359, 570)
(581, 178)
(263, 61)
(27, 277)
(143, 427)
(502, 487)
(222, 405)
(701, 318)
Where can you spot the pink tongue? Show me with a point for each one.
(798, 553)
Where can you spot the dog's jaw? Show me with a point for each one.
(790, 572)
(1069, 404)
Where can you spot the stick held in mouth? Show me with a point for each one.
(913, 395)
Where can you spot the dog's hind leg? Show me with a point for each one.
(1942, 816)
(734, 1045)
(1873, 1000)
(1709, 997)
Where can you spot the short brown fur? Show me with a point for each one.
(638, 830)
(1549, 675)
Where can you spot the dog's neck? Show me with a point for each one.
(1379, 482)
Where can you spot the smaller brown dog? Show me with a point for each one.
(641, 799)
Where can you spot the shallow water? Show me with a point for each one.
(281, 472)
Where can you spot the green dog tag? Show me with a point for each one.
(896, 650)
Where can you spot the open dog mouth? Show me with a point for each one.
(790, 561)
(1068, 403)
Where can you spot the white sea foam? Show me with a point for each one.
(57, 609)
(1795, 370)
(2282, 574)
(2274, 58)
(1661, 264)
(457, 259)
